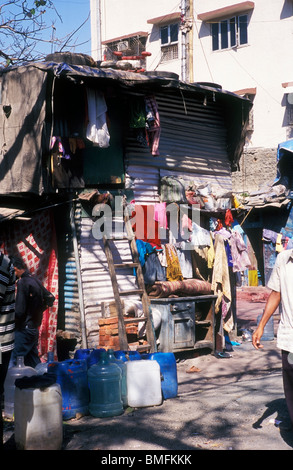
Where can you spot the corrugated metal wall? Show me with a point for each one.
(193, 144)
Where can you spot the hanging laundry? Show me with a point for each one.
(269, 235)
(279, 244)
(153, 270)
(144, 225)
(239, 252)
(200, 263)
(228, 218)
(153, 126)
(160, 214)
(61, 147)
(185, 261)
(200, 236)
(221, 283)
(97, 128)
(186, 225)
(173, 266)
(143, 249)
(137, 110)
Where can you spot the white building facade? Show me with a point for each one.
(241, 46)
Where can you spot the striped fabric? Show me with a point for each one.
(7, 304)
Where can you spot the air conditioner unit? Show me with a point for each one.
(122, 46)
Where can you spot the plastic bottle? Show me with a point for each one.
(71, 375)
(42, 367)
(38, 418)
(84, 353)
(94, 356)
(104, 379)
(143, 383)
(168, 368)
(127, 355)
(13, 373)
(122, 366)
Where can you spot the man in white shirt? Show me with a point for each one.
(281, 284)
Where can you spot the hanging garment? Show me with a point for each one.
(211, 253)
(97, 128)
(200, 236)
(153, 270)
(143, 249)
(144, 224)
(153, 126)
(221, 281)
(228, 218)
(186, 226)
(185, 261)
(199, 258)
(160, 214)
(239, 252)
(137, 111)
(173, 272)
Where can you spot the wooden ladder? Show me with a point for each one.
(147, 316)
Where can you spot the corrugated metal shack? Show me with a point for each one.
(53, 158)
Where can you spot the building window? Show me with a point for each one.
(230, 33)
(169, 41)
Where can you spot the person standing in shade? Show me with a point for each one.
(7, 323)
(28, 315)
(280, 283)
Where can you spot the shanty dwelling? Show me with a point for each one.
(75, 139)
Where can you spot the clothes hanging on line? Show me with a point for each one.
(97, 128)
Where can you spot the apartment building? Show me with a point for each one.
(243, 47)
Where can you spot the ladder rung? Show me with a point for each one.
(122, 237)
(129, 292)
(126, 265)
(135, 319)
(143, 347)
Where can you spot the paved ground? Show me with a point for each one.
(235, 403)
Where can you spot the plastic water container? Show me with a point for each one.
(143, 383)
(38, 418)
(127, 355)
(94, 356)
(268, 333)
(83, 354)
(122, 366)
(104, 379)
(42, 367)
(168, 368)
(71, 375)
(13, 373)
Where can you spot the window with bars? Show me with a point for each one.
(229, 33)
(131, 46)
(169, 41)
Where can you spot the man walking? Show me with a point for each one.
(280, 283)
(7, 325)
(28, 315)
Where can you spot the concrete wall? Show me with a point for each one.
(258, 167)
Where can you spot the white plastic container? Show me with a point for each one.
(38, 418)
(143, 383)
(13, 373)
